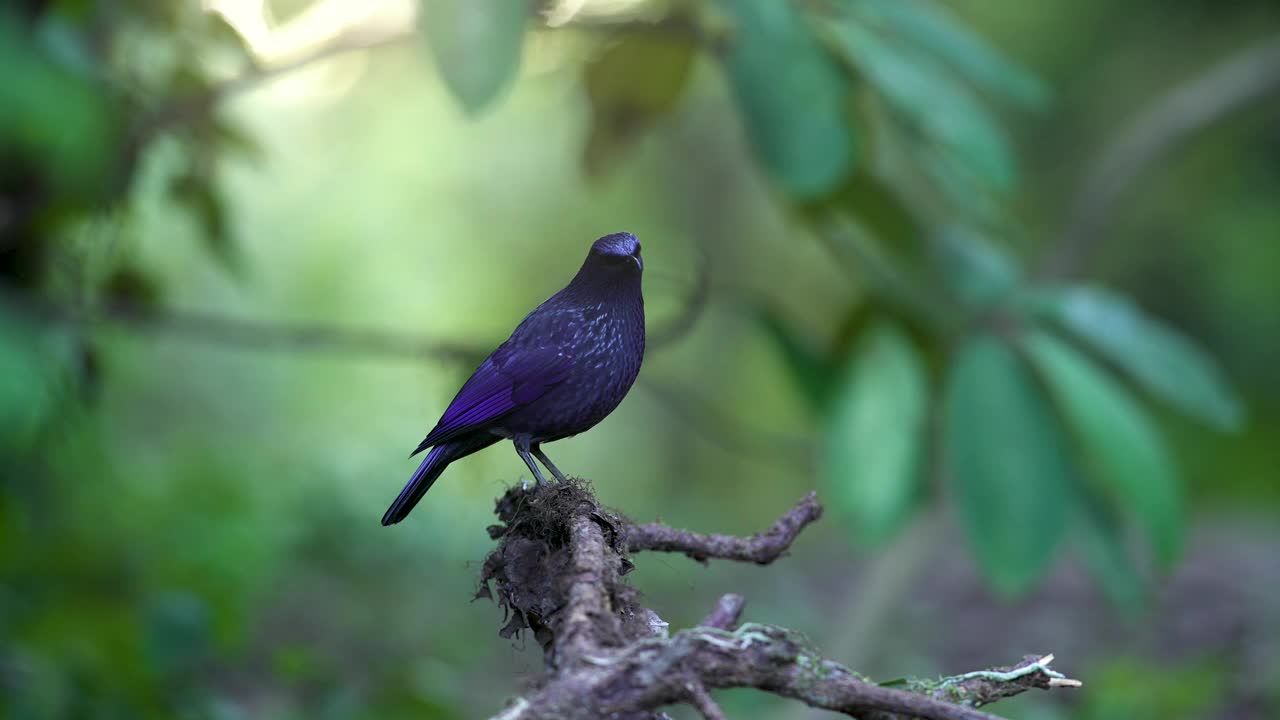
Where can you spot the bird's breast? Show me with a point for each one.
(606, 346)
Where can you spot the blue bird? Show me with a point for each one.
(567, 365)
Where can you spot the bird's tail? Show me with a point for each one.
(432, 465)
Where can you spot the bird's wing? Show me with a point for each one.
(508, 379)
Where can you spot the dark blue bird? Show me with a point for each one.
(564, 369)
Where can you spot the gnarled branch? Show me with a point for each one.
(558, 571)
(761, 548)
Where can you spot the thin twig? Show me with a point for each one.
(1172, 119)
(726, 613)
(701, 700)
(761, 548)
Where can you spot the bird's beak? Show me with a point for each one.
(639, 261)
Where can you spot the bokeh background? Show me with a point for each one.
(998, 279)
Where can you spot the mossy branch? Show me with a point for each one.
(558, 571)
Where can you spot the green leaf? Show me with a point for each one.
(53, 117)
(1166, 363)
(177, 632)
(476, 45)
(1124, 454)
(976, 270)
(921, 92)
(806, 365)
(631, 85)
(27, 383)
(792, 96)
(1105, 556)
(1009, 464)
(878, 207)
(197, 193)
(131, 289)
(234, 139)
(936, 29)
(876, 433)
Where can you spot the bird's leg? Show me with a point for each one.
(537, 452)
(523, 449)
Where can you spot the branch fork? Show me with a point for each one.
(558, 569)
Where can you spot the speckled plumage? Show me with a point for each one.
(566, 366)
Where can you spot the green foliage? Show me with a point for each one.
(1102, 548)
(878, 206)
(976, 271)
(178, 633)
(198, 194)
(1132, 687)
(1162, 360)
(631, 85)
(791, 94)
(28, 384)
(55, 116)
(876, 433)
(1122, 450)
(1009, 464)
(476, 46)
(931, 29)
(805, 364)
(940, 111)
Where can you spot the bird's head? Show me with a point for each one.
(619, 252)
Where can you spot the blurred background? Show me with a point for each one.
(997, 279)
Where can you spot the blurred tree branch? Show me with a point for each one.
(242, 333)
(1171, 120)
(195, 107)
(762, 548)
(557, 570)
(249, 334)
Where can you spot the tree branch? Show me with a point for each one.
(557, 569)
(588, 607)
(701, 700)
(248, 334)
(726, 613)
(761, 548)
